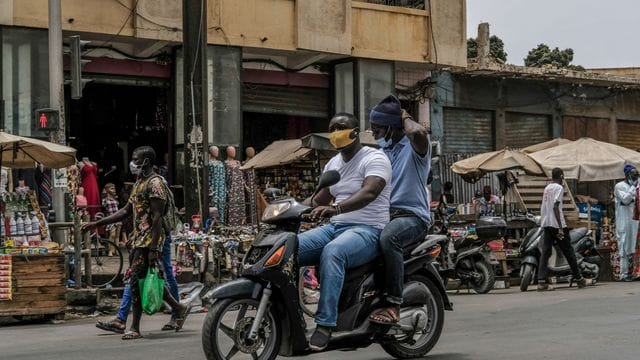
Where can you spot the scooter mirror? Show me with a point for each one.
(328, 178)
(271, 193)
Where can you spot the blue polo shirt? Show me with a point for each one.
(409, 179)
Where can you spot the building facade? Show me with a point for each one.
(276, 68)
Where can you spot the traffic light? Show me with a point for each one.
(46, 119)
(76, 62)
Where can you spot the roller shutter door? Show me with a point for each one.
(468, 131)
(629, 134)
(286, 100)
(523, 130)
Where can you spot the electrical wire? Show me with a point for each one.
(124, 23)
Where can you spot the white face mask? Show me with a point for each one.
(136, 169)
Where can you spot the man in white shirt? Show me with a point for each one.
(555, 231)
(358, 206)
(626, 226)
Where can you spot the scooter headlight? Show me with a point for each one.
(274, 210)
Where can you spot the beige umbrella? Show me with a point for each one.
(587, 159)
(474, 168)
(20, 152)
(545, 145)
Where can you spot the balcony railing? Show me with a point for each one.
(413, 4)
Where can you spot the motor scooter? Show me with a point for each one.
(259, 315)
(587, 256)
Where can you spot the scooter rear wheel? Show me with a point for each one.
(225, 330)
(420, 346)
(487, 278)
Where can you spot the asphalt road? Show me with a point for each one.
(601, 322)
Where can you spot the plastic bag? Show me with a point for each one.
(151, 291)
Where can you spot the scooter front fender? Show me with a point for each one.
(238, 288)
(530, 259)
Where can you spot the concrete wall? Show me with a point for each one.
(531, 96)
(336, 26)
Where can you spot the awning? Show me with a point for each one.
(278, 153)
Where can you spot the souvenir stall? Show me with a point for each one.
(31, 265)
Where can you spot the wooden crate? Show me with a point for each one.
(37, 284)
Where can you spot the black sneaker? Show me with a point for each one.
(545, 287)
(582, 282)
(320, 338)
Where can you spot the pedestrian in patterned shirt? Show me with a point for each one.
(152, 207)
(110, 207)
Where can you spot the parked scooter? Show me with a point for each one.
(587, 255)
(470, 259)
(259, 315)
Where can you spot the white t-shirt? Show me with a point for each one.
(367, 162)
(552, 194)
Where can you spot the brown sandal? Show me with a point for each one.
(111, 325)
(132, 335)
(385, 316)
(180, 319)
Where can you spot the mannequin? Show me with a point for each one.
(250, 189)
(4, 179)
(235, 189)
(81, 203)
(217, 183)
(89, 173)
(250, 152)
(22, 188)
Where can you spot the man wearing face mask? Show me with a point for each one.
(150, 204)
(555, 231)
(358, 206)
(626, 226)
(406, 143)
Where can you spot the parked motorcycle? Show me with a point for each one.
(470, 259)
(259, 315)
(588, 257)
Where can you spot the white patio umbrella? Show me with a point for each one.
(587, 159)
(20, 152)
(474, 168)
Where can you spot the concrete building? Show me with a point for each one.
(276, 68)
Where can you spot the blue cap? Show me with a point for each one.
(628, 168)
(387, 113)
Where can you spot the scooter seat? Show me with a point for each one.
(363, 270)
(577, 234)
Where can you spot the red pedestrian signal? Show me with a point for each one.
(46, 119)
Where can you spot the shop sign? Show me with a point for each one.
(60, 178)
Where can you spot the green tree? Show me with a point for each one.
(544, 55)
(496, 48)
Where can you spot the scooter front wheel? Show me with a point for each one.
(225, 332)
(527, 274)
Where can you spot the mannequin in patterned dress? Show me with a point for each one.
(235, 189)
(217, 183)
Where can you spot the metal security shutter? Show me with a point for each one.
(468, 131)
(523, 130)
(286, 100)
(629, 134)
(576, 127)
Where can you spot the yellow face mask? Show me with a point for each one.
(340, 138)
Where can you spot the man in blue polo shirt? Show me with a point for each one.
(406, 143)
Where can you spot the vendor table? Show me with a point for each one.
(37, 286)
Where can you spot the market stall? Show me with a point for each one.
(32, 268)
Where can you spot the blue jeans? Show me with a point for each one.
(401, 230)
(336, 248)
(170, 279)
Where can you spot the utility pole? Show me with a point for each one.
(194, 42)
(56, 100)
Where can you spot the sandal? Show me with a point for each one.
(111, 325)
(132, 335)
(182, 317)
(384, 316)
(171, 325)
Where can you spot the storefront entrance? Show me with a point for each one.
(112, 120)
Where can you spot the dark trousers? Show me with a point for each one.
(548, 239)
(401, 230)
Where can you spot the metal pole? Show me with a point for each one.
(87, 257)
(77, 246)
(194, 39)
(56, 101)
